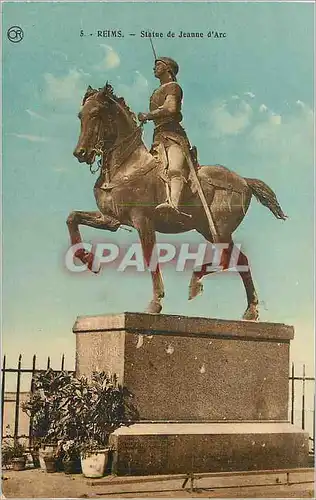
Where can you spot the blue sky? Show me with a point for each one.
(248, 104)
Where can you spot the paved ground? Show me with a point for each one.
(35, 483)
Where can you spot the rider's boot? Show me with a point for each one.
(176, 187)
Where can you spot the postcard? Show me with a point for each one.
(158, 248)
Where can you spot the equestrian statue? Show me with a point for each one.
(164, 189)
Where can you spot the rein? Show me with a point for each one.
(105, 153)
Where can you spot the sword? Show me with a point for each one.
(203, 199)
(152, 46)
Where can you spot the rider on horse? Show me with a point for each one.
(170, 140)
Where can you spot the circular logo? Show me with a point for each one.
(15, 34)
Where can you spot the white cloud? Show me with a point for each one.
(263, 108)
(66, 88)
(135, 93)
(305, 109)
(287, 138)
(33, 114)
(273, 137)
(270, 116)
(275, 119)
(250, 94)
(230, 118)
(31, 138)
(140, 82)
(110, 60)
(59, 53)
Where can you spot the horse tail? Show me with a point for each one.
(264, 194)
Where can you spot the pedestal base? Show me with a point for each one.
(191, 369)
(157, 448)
(197, 371)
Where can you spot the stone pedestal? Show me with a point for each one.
(212, 395)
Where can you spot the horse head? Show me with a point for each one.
(103, 118)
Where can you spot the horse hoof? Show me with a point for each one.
(195, 288)
(88, 258)
(154, 307)
(94, 264)
(251, 313)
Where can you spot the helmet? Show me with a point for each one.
(172, 65)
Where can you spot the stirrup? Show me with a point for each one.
(165, 204)
(172, 207)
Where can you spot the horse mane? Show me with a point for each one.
(108, 91)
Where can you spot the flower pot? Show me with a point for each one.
(59, 464)
(51, 464)
(35, 459)
(18, 463)
(46, 451)
(93, 464)
(72, 466)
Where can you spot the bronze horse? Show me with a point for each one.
(133, 185)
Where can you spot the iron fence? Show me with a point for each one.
(14, 398)
(301, 399)
(302, 402)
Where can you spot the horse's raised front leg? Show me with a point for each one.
(148, 241)
(92, 219)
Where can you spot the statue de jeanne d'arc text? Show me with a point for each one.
(164, 189)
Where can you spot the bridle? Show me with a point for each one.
(132, 140)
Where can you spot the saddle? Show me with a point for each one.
(158, 161)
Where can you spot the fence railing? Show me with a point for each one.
(301, 399)
(302, 402)
(11, 401)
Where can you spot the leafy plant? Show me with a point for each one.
(70, 450)
(91, 409)
(88, 446)
(11, 449)
(80, 413)
(43, 404)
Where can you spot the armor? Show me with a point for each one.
(170, 140)
(168, 129)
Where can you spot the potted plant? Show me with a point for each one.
(51, 462)
(34, 450)
(94, 459)
(71, 456)
(42, 407)
(112, 407)
(14, 454)
(79, 414)
(90, 410)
